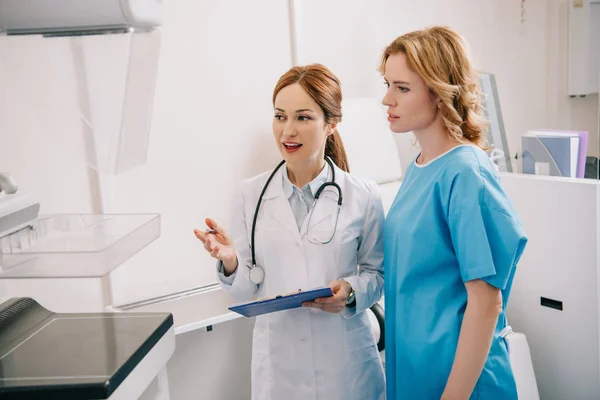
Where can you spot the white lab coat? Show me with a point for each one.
(307, 353)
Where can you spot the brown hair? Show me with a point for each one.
(440, 57)
(325, 89)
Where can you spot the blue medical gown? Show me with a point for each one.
(450, 223)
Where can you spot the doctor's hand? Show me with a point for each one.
(336, 303)
(219, 245)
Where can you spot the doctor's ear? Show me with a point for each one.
(331, 128)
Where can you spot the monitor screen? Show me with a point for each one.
(496, 135)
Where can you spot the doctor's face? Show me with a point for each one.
(299, 126)
(411, 105)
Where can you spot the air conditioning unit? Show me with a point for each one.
(19, 17)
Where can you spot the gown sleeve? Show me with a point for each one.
(487, 235)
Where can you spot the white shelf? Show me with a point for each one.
(532, 177)
(76, 245)
(192, 309)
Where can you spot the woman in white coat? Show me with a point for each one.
(324, 350)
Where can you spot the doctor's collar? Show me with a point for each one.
(288, 186)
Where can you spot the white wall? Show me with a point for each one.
(493, 29)
(565, 112)
(31, 107)
(529, 58)
(211, 128)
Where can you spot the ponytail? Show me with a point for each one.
(334, 149)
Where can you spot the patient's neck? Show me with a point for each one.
(434, 141)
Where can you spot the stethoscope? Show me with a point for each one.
(257, 273)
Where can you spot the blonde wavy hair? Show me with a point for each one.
(440, 57)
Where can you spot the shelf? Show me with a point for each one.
(192, 309)
(76, 245)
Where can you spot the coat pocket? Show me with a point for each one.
(361, 345)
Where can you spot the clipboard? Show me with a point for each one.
(280, 302)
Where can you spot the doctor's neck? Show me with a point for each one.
(303, 172)
(434, 140)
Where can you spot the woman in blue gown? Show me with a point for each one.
(452, 237)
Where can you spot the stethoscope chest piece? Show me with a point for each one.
(257, 275)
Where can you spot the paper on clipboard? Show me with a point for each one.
(282, 302)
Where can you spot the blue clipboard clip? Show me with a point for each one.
(272, 304)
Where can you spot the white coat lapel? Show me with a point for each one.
(325, 209)
(278, 207)
(322, 215)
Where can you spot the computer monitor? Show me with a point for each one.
(496, 136)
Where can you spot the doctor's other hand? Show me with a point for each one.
(336, 303)
(219, 245)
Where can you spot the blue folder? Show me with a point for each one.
(555, 155)
(280, 302)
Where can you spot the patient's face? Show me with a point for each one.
(411, 105)
(299, 126)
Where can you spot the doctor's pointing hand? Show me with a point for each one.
(219, 245)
